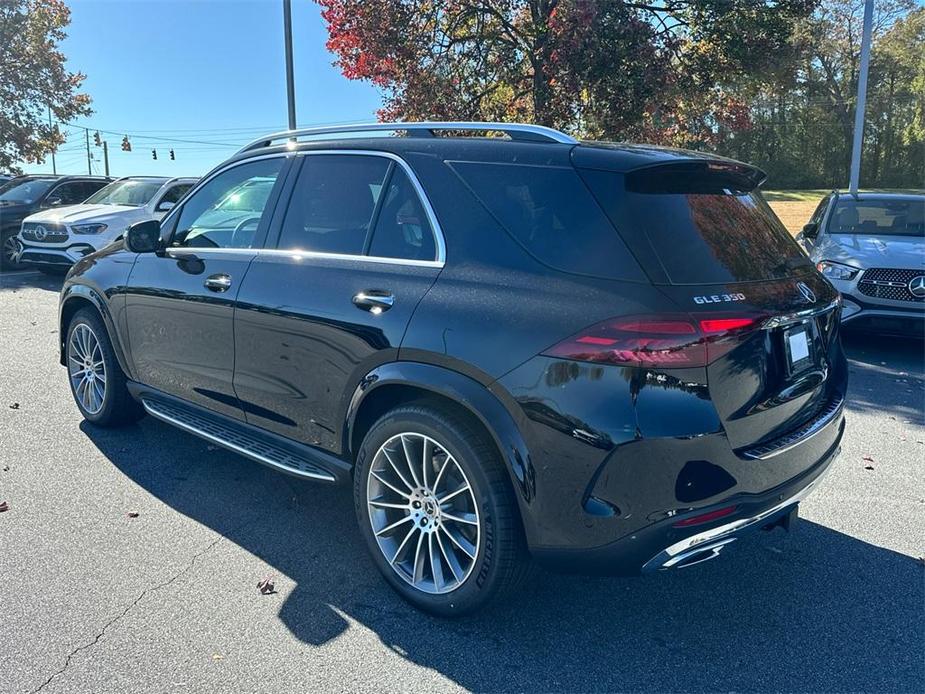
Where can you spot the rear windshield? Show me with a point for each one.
(879, 217)
(551, 213)
(701, 227)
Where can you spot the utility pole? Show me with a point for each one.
(89, 168)
(106, 156)
(290, 85)
(862, 98)
(54, 168)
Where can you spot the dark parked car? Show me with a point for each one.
(25, 195)
(611, 358)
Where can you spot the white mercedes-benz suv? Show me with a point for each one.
(55, 239)
(871, 246)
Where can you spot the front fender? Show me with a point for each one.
(83, 294)
(464, 391)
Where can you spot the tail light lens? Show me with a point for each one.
(676, 340)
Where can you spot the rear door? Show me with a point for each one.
(711, 243)
(180, 303)
(355, 250)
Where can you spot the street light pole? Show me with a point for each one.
(290, 85)
(862, 98)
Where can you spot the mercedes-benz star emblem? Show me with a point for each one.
(40, 233)
(808, 294)
(917, 286)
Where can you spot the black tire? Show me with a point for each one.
(501, 559)
(6, 260)
(118, 407)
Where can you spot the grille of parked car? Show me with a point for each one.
(44, 233)
(889, 283)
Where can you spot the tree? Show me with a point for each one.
(653, 69)
(33, 79)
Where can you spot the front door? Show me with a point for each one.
(356, 252)
(180, 303)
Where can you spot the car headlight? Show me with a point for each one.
(88, 228)
(836, 271)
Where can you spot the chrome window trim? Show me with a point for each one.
(436, 229)
(217, 172)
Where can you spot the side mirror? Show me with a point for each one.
(164, 206)
(811, 230)
(143, 237)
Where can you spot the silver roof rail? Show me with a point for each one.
(515, 131)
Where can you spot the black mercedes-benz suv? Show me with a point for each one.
(609, 358)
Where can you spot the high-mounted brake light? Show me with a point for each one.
(670, 340)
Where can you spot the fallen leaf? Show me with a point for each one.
(132, 514)
(217, 656)
(868, 458)
(4, 506)
(14, 406)
(6, 468)
(266, 586)
(868, 467)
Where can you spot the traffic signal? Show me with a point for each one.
(126, 145)
(97, 140)
(172, 157)
(154, 154)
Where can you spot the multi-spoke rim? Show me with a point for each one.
(12, 249)
(87, 368)
(423, 513)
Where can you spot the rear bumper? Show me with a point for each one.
(662, 546)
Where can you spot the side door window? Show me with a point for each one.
(333, 203)
(71, 193)
(402, 228)
(172, 196)
(229, 210)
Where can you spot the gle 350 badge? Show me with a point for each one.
(718, 298)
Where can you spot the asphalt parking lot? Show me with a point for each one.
(92, 599)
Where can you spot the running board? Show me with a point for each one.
(250, 445)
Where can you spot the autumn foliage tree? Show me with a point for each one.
(33, 79)
(658, 70)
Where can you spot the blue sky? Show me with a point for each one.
(206, 71)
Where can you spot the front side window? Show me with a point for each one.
(333, 203)
(71, 193)
(226, 212)
(129, 192)
(897, 217)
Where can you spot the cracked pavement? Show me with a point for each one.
(92, 600)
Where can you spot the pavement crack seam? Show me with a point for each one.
(146, 591)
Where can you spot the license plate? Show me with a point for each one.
(799, 348)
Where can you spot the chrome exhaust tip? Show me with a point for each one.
(696, 556)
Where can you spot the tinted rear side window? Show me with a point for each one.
(551, 213)
(702, 231)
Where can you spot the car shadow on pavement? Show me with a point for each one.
(815, 610)
(886, 375)
(29, 279)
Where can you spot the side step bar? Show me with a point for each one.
(247, 441)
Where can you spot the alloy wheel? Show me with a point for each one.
(87, 368)
(12, 250)
(423, 513)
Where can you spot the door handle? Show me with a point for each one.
(374, 300)
(218, 283)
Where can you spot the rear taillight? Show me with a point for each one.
(671, 340)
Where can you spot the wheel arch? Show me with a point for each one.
(396, 383)
(76, 297)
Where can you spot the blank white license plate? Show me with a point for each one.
(798, 347)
